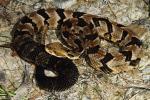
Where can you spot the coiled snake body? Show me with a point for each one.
(104, 45)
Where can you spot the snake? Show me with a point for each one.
(104, 45)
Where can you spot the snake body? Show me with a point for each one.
(102, 43)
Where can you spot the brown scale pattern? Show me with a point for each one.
(105, 45)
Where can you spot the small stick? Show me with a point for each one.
(6, 45)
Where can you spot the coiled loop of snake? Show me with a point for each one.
(105, 45)
(33, 52)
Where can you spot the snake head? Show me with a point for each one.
(57, 49)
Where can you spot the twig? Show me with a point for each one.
(6, 45)
(146, 2)
(5, 36)
(149, 8)
(141, 88)
(109, 6)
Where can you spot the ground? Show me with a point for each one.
(16, 76)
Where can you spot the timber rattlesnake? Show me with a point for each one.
(105, 45)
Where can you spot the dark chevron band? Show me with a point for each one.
(91, 36)
(96, 22)
(135, 41)
(80, 33)
(44, 15)
(78, 14)
(93, 49)
(60, 12)
(26, 19)
(128, 55)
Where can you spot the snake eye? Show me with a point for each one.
(70, 55)
(66, 34)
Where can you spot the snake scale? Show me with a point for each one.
(105, 45)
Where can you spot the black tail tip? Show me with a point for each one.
(67, 76)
